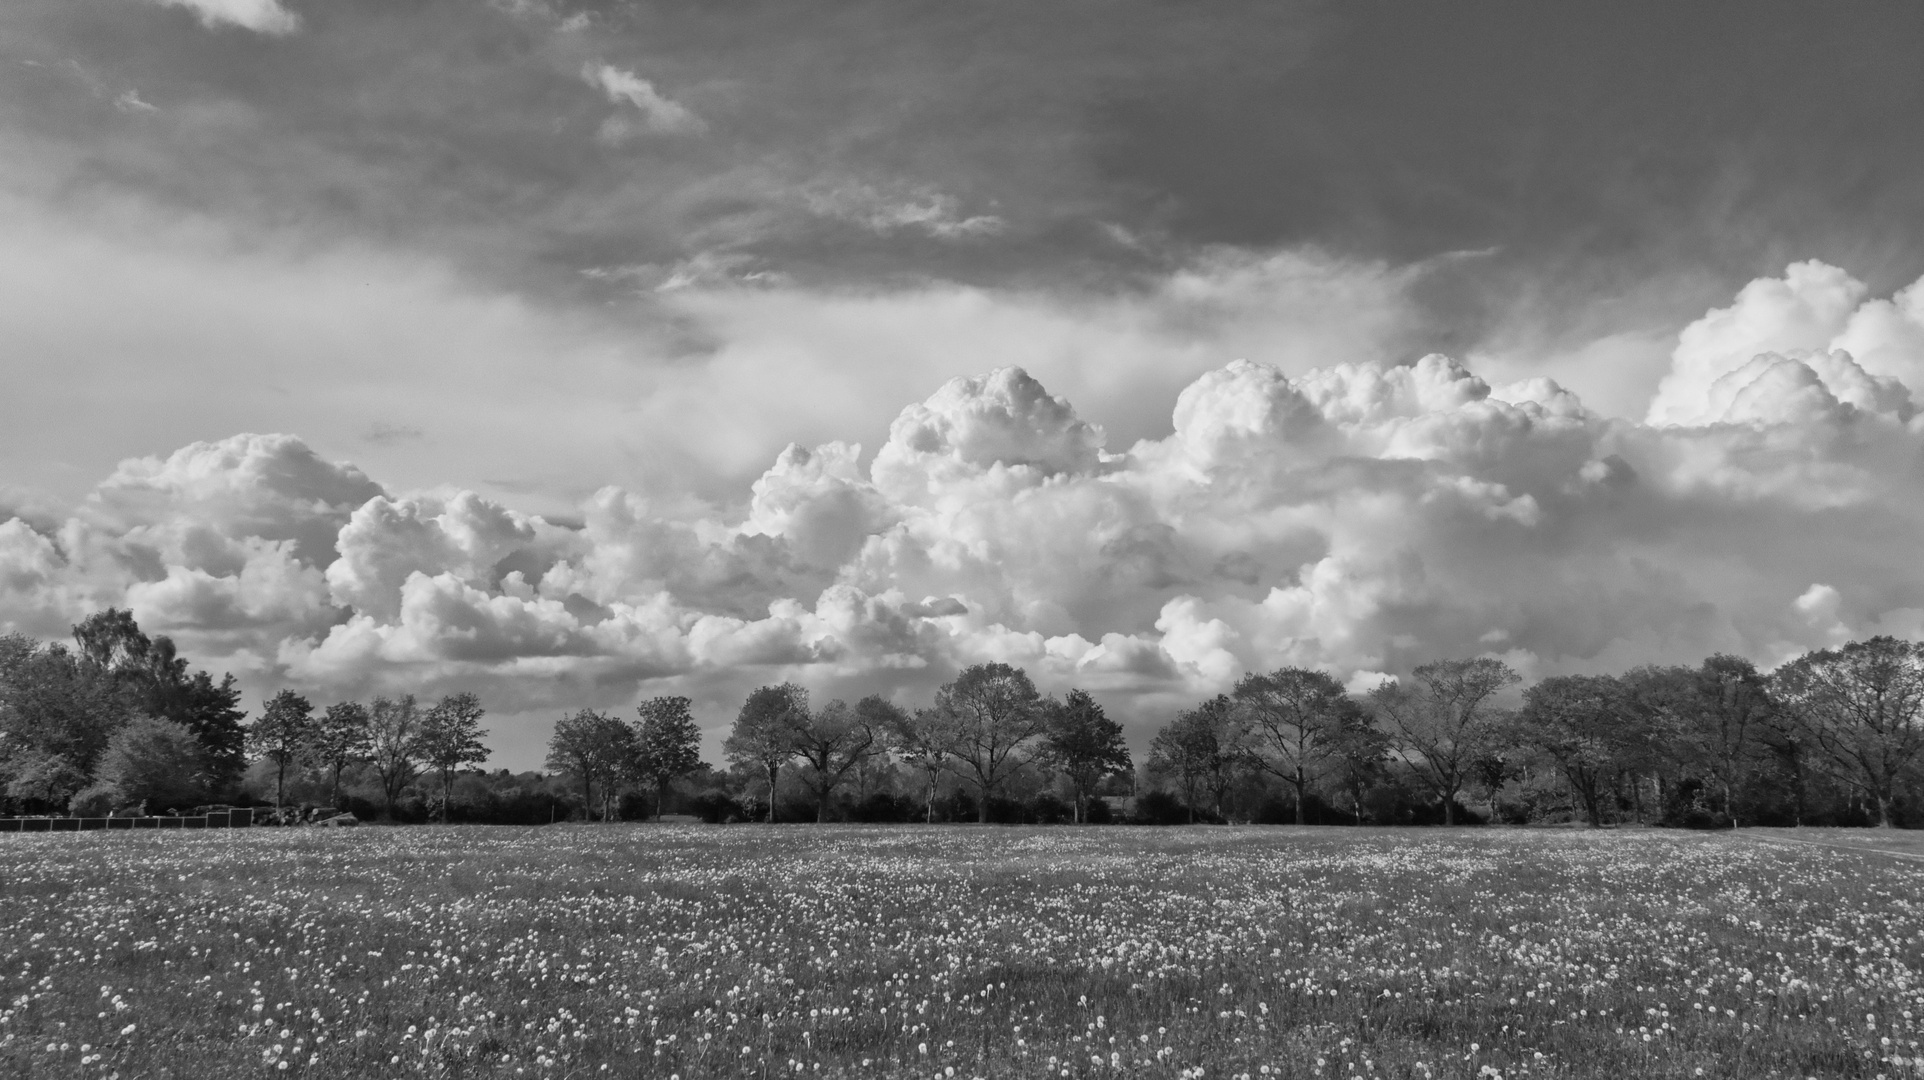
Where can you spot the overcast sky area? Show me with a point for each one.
(575, 353)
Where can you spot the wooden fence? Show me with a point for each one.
(226, 819)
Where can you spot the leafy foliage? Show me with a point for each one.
(1085, 746)
(450, 737)
(667, 744)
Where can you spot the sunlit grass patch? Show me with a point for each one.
(850, 951)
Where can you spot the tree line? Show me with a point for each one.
(118, 722)
(119, 719)
(1834, 736)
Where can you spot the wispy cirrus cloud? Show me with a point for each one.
(912, 209)
(657, 114)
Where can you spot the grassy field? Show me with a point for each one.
(690, 951)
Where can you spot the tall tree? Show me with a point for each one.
(667, 744)
(394, 736)
(1358, 750)
(57, 713)
(996, 714)
(1590, 726)
(340, 738)
(832, 741)
(1295, 715)
(1443, 718)
(1862, 707)
(763, 737)
(1085, 746)
(211, 710)
(157, 678)
(450, 738)
(1717, 716)
(599, 751)
(1202, 749)
(112, 640)
(281, 734)
(926, 741)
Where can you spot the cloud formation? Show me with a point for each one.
(260, 16)
(1359, 517)
(658, 114)
(1806, 341)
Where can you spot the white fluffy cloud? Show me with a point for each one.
(260, 16)
(1800, 344)
(1357, 517)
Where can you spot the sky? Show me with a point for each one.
(578, 353)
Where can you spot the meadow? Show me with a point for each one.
(846, 951)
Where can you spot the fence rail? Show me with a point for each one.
(229, 819)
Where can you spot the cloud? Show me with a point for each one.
(129, 102)
(1357, 517)
(659, 114)
(1805, 341)
(260, 16)
(913, 209)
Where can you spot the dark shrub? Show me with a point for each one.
(1049, 810)
(716, 808)
(957, 805)
(883, 807)
(1160, 808)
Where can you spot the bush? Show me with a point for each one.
(1049, 810)
(634, 806)
(1281, 810)
(1160, 808)
(882, 807)
(38, 783)
(153, 761)
(717, 808)
(1098, 812)
(957, 805)
(95, 800)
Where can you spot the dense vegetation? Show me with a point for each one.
(1833, 737)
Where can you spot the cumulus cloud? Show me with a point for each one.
(1806, 342)
(260, 16)
(658, 114)
(1357, 517)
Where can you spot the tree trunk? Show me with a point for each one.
(661, 796)
(982, 808)
(928, 801)
(1299, 795)
(773, 775)
(1883, 809)
(1449, 808)
(1797, 775)
(1588, 793)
